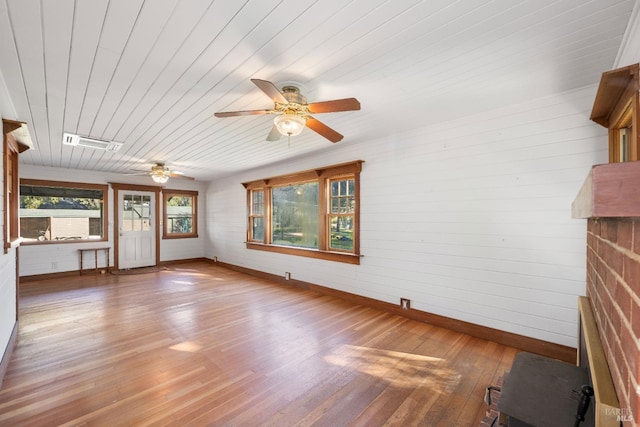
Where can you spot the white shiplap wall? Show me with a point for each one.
(40, 259)
(469, 219)
(8, 260)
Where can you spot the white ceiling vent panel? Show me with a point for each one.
(97, 144)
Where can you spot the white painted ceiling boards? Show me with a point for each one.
(151, 73)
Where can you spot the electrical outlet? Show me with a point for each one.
(54, 265)
(405, 303)
(287, 276)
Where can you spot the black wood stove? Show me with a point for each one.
(544, 392)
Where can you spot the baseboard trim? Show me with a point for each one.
(36, 277)
(58, 275)
(4, 363)
(181, 261)
(532, 345)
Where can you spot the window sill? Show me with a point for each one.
(180, 236)
(12, 244)
(61, 241)
(309, 253)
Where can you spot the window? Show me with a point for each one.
(342, 207)
(56, 212)
(11, 190)
(180, 214)
(136, 212)
(16, 139)
(256, 215)
(294, 210)
(617, 107)
(625, 145)
(312, 213)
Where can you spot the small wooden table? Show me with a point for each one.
(95, 254)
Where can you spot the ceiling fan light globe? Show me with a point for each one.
(160, 179)
(289, 124)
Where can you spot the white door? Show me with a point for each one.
(137, 233)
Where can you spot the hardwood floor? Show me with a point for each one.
(199, 344)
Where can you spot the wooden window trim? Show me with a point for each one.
(15, 140)
(252, 215)
(617, 106)
(322, 176)
(194, 218)
(11, 192)
(355, 214)
(67, 184)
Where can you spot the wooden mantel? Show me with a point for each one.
(610, 190)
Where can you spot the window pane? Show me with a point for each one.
(341, 232)
(257, 229)
(351, 205)
(343, 205)
(179, 214)
(342, 196)
(257, 205)
(145, 208)
(295, 215)
(334, 188)
(60, 213)
(335, 205)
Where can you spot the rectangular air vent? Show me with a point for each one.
(97, 144)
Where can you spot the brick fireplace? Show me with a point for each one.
(610, 200)
(613, 285)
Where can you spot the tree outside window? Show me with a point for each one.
(180, 214)
(342, 209)
(295, 215)
(312, 213)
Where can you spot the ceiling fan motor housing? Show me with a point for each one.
(292, 94)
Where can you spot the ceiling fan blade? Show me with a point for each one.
(324, 130)
(271, 90)
(347, 104)
(241, 113)
(180, 175)
(274, 134)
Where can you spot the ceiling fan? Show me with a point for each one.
(293, 112)
(161, 174)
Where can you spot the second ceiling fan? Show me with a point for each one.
(293, 112)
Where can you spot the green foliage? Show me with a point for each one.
(178, 201)
(41, 202)
(30, 202)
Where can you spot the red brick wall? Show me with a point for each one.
(613, 285)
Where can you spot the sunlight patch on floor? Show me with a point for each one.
(398, 368)
(190, 272)
(183, 282)
(187, 346)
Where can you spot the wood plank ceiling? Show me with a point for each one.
(151, 73)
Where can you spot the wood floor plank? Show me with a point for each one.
(200, 344)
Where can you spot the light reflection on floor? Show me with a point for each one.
(188, 346)
(400, 369)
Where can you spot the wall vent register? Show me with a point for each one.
(97, 144)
